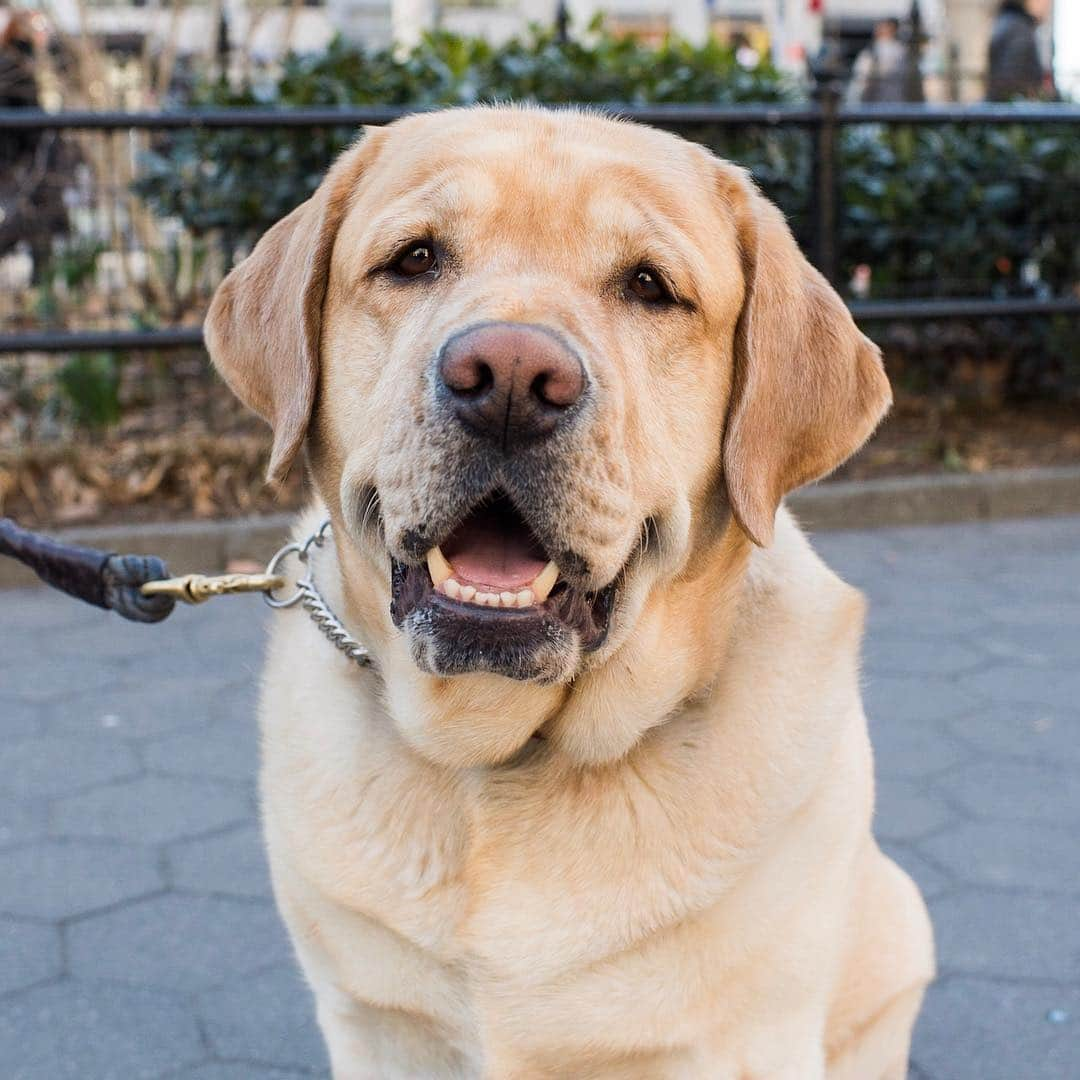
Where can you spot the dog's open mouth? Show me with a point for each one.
(491, 583)
(493, 560)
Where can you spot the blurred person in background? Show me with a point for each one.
(878, 74)
(1015, 67)
(746, 56)
(18, 87)
(37, 164)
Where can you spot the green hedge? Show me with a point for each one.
(950, 210)
(240, 182)
(958, 210)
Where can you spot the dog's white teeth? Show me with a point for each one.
(438, 567)
(442, 577)
(545, 582)
(468, 594)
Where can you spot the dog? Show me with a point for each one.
(601, 807)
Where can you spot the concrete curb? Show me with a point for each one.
(939, 499)
(857, 504)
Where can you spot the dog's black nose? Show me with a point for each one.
(511, 382)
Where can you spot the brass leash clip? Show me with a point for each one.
(197, 588)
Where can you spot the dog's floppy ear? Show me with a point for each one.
(265, 321)
(808, 387)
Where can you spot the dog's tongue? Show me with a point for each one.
(493, 546)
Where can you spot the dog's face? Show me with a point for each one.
(525, 347)
(539, 359)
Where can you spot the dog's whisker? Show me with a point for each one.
(370, 508)
(643, 539)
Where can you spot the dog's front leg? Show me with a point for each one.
(365, 1042)
(357, 970)
(348, 1044)
(786, 1048)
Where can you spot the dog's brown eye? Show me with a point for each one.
(646, 285)
(416, 261)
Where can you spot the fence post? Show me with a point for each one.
(826, 171)
(913, 38)
(562, 23)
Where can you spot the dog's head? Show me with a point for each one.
(539, 360)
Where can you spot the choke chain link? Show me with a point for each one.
(307, 595)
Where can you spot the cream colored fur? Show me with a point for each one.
(659, 862)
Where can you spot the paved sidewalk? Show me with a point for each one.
(138, 939)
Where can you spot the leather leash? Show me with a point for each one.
(101, 578)
(139, 587)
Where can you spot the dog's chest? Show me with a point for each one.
(513, 875)
(627, 893)
(389, 845)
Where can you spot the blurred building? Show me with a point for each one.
(957, 32)
(953, 58)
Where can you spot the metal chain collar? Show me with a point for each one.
(307, 595)
(197, 588)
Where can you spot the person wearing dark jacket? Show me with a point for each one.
(1015, 67)
(35, 166)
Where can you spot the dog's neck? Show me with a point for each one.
(482, 719)
(665, 660)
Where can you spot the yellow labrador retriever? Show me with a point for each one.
(602, 806)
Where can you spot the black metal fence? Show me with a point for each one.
(821, 121)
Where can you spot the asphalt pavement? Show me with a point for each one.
(138, 938)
